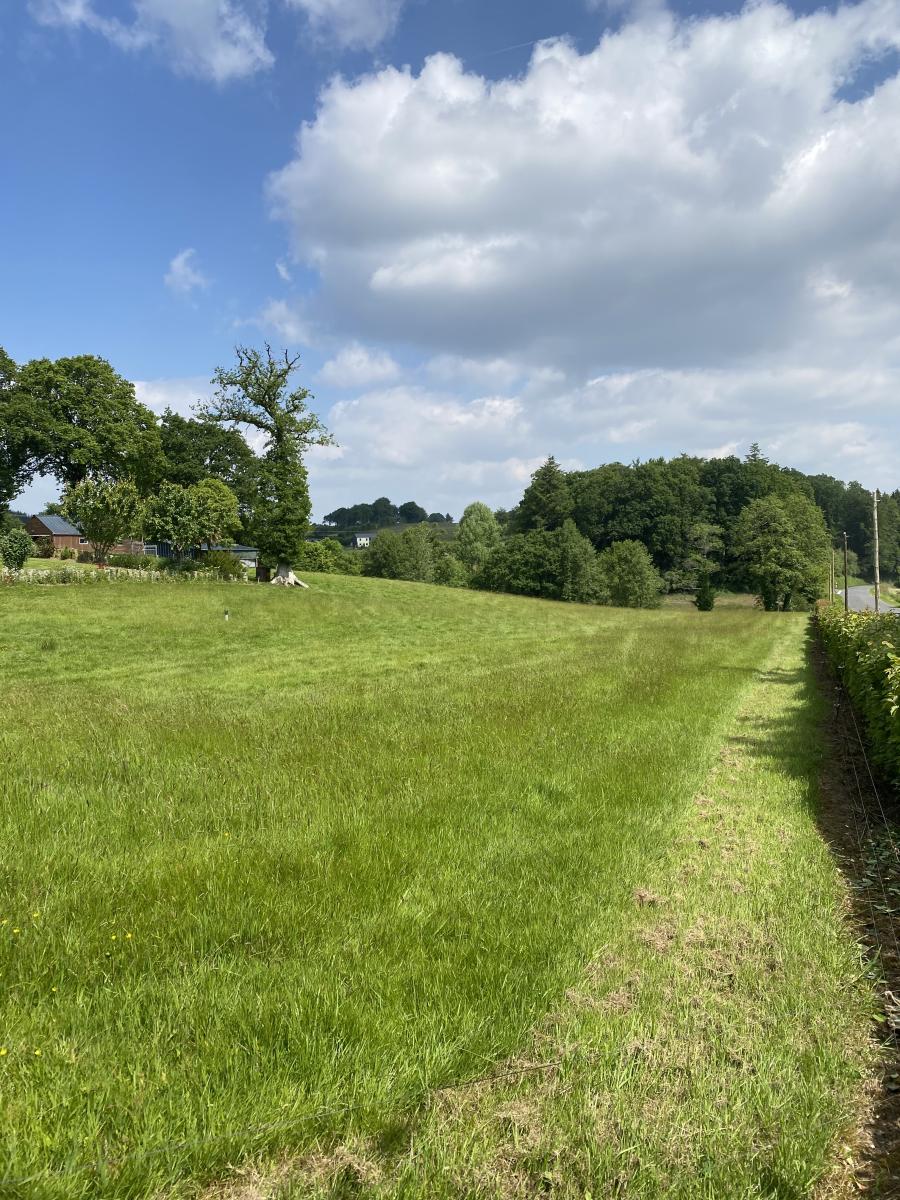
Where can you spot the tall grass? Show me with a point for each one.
(274, 878)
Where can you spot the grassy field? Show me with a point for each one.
(277, 890)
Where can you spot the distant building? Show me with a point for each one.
(62, 534)
(361, 541)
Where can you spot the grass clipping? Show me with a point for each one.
(716, 1045)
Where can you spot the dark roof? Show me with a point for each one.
(58, 525)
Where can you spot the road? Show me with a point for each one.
(861, 599)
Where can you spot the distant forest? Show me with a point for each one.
(381, 514)
(663, 503)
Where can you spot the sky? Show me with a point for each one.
(492, 230)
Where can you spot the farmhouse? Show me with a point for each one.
(361, 541)
(63, 535)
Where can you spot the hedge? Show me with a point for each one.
(865, 651)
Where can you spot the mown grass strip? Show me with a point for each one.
(715, 1046)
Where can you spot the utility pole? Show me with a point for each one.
(846, 584)
(877, 557)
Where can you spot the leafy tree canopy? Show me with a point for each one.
(257, 392)
(106, 512)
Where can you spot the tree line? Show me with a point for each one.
(185, 480)
(382, 513)
(625, 534)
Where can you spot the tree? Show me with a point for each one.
(256, 392)
(106, 513)
(547, 501)
(215, 510)
(383, 557)
(578, 566)
(785, 547)
(437, 518)
(627, 576)
(478, 535)
(171, 517)
(88, 423)
(196, 450)
(18, 454)
(412, 513)
(15, 548)
(384, 513)
(705, 598)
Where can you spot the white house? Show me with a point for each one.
(361, 541)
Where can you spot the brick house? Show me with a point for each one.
(64, 535)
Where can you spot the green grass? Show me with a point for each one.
(54, 564)
(269, 883)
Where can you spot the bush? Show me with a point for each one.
(706, 593)
(85, 556)
(43, 548)
(15, 548)
(628, 578)
(134, 562)
(865, 651)
(181, 566)
(67, 554)
(224, 564)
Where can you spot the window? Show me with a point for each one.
(82, 541)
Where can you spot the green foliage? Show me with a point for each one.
(16, 548)
(705, 598)
(412, 513)
(194, 450)
(627, 577)
(329, 557)
(18, 452)
(449, 571)
(547, 501)
(785, 547)
(865, 650)
(478, 535)
(224, 564)
(136, 562)
(105, 512)
(86, 422)
(556, 564)
(256, 392)
(43, 547)
(171, 516)
(416, 554)
(215, 511)
(67, 554)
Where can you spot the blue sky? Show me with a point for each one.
(508, 228)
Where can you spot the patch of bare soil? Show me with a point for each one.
(863, 831)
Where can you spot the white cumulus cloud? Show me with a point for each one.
(184, 275)
(355, 366)
(684, 193)
(219, 40)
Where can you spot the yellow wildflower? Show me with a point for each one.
(38, 1053)
(2, 1052)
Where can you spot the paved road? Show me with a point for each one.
(861, 599)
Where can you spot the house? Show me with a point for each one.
(361, 541)
(65, 536)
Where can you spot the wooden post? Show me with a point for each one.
(832, 578)
(846, 584)
(877, 556)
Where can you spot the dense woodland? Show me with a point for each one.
(618, 533)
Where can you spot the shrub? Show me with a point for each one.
(67, 554)
(85, 556)
(224, 564)
(43, 548)
(865, 650)
(706, 593)
(135, 562)
(15, 548)
(181, 566)
(628, 578)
